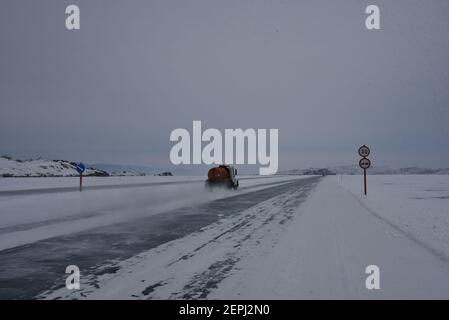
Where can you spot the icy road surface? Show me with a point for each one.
(32, 260)
(291, 239)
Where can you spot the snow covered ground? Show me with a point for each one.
(417, 205)
(308, 242)
(10, 184)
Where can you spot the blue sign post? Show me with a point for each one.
(80, 168)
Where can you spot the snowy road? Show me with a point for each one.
(298, 239)
(32, 268)
(325, 251)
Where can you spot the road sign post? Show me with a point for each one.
(80, 168)
(364, 163)
(364, 180)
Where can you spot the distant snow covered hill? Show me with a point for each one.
(118, 168)
(43, 168)
(354, 169)
(10, 167)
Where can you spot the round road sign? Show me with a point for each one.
(364, 151)
(80, 168)
(364, 163)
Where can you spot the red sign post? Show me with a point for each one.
(364, 163)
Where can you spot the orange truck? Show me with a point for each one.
(224, 176)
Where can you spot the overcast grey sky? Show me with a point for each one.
(114, 90)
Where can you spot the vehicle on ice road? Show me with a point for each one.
(222, 176)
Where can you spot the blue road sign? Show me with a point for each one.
(80, 167)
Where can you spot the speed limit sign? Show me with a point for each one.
(364, 163)
(364, 151)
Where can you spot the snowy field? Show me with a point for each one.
(417, 205)
(10, 184)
